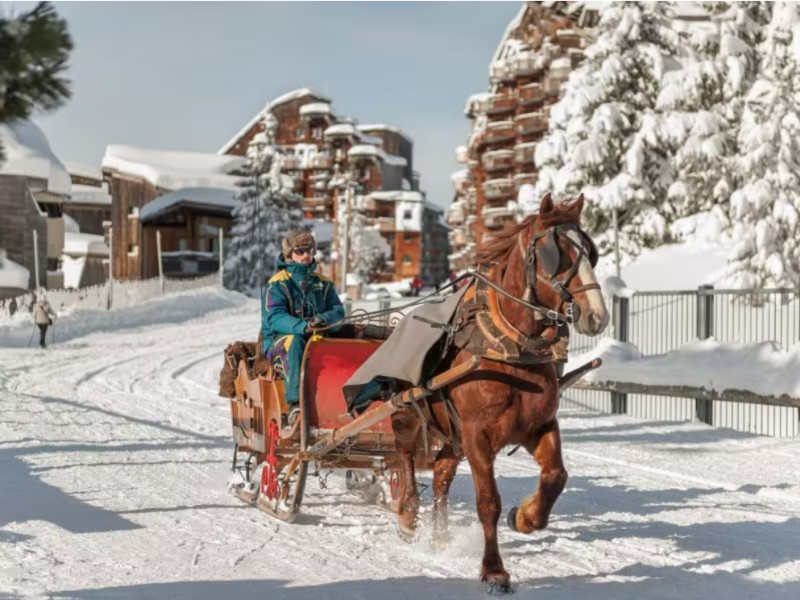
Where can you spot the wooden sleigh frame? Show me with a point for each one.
(274, 460)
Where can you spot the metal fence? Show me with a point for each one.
(660, 321)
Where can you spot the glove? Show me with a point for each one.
(316, 321)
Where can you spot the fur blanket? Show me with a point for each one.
(235, 352)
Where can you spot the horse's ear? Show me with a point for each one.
(546, 205)
(579, 203)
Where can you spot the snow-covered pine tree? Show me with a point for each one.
(700, 107)
(268, 211)
(368, 250)
(594, 146)
(764, 208)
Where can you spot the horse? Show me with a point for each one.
(548, 259)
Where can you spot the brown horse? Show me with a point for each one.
(502, 404)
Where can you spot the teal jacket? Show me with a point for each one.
(295, 294)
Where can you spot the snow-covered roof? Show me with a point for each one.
(313, 108)
(342, 129)
(217, 199)
(83, 244)
(13, 275)
(88, 194)
(381, 126)
(287, 97)
(370, 150)
(174, 170)
(397, 196)
(81, 170)
(28, 154)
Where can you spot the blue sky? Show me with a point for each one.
(188, 76)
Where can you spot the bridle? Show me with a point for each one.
(549, 254)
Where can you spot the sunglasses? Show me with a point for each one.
(301, 251)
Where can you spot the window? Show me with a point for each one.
(316, 133)
(182, 244)
(300, 132)
(133, 250)
(407, 214)
(406, 260)
(133, 212)
(406, 237)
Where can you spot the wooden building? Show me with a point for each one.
(540, 48)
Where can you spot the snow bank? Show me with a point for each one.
(28, 153)
(173, 170)
(12, 275)
(761, 368)
(175, 308)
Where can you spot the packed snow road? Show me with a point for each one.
(114, 457)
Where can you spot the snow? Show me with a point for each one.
(28, 153)
(88, 194)
(84, 243)
(761, 368)
(172, 170)
(374, 151)
(217, 199)
(315, 108)
(382, 127)
(341, 129)
(397, 196)
(115, 454)
(295, 94)
(82, 170)
(12, 275)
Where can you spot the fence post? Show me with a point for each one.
(620, 316)
(703, 409)
(385, 305)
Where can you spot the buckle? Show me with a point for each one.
(552, 315)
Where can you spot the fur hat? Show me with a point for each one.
(297, 239)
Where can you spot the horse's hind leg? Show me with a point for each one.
(444, 470)
(406, 427)
(487, 501)
(534, 512)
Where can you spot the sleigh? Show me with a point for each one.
(271, 459)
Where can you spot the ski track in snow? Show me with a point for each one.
(114, 458)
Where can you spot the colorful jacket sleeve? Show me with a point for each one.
(277, 315)
(334, 311)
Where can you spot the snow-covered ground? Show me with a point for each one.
(114, 456)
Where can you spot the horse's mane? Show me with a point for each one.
(499, 246)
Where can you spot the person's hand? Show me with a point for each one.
(316, 321)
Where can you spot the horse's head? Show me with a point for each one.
(560, 259)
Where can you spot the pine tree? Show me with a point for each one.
(765, 207)
(596, 143)
(34, 49)
(700, 108)
(268, 211)
(368, 250)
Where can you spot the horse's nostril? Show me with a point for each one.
(595, 321)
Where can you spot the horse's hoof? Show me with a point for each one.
(512, 518)
(441, 540)
(498, 587)
(409, 536)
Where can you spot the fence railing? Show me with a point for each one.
(659, 321)
(112, 294)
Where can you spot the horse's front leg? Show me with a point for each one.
(534, 512)
(487, 501)
(444, 471)
(407, 432)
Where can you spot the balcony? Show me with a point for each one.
(461, 154)
(496, 160)
(458, 237)
(500, 70)
(526, 64)
(530, 123)
(533, 93)
(525, 154)
(316, 204)
(552, 87)
(476, 105)
(461, 181)
(494, 218)
(499, 104)
(568, 38)
(497, 189)
(560, 68)
(521, 179)
(499, 131)
(385, 224)
(290, 163)
(320, 161)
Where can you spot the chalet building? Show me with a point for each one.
(339, 166)
(540, 48)
(189, 220)
(183, 193)
(34, 185)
